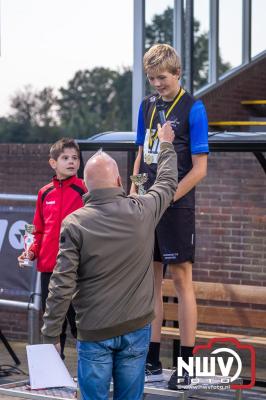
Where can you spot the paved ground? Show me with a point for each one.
(6, 362)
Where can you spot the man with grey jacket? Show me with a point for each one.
(105, 263)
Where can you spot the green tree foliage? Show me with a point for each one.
(11, 131)
(95, 101)
(160, 30)
(123, 88)
(33, 117)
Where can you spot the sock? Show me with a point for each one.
(186, 352)
(154, 353)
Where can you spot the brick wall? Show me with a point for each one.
(223, 101)
(24, 168)
(231, 220)
(14, 323)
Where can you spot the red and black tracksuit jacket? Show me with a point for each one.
(55, 201)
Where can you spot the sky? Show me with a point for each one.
(44, 42)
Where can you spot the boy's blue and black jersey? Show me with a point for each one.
(190, 124)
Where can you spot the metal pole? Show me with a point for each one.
(131, 155)
(13, 303)
(214, 41)
(189, 46)
(34, 311)
(18, 197)
(138, 49)
(178, 27)
(246, 31)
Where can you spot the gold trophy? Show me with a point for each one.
(139, 181)
(28, 240)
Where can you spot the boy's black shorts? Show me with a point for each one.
(175, 236)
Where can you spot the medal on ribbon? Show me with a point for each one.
(148, 158)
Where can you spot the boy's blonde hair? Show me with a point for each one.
(162, 57)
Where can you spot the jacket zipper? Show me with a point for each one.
(61, 206)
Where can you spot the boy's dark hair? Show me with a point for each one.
(65, 143)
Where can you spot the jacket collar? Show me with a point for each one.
(63, 182)
(102, 196)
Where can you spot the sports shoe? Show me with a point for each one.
(153, 373)
(185, 381)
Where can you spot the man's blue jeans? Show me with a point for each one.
(122, 357)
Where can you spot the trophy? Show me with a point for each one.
(28, 240)
(139, 181)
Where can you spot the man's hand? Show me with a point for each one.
(21, 258)
(165, 132)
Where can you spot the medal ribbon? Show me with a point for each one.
(153, 137)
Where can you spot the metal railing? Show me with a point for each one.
(18, 197)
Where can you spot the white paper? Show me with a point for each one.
(46, 368)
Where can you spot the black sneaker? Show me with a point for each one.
(153, 373)
(185, 380)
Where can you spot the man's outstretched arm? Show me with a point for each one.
(163, 190)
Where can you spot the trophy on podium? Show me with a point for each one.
(28, 240)
(139, 181)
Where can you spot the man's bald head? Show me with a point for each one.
(101, 171)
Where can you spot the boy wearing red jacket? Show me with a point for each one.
(55, 201)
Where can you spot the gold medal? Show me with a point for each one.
(148, 158)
